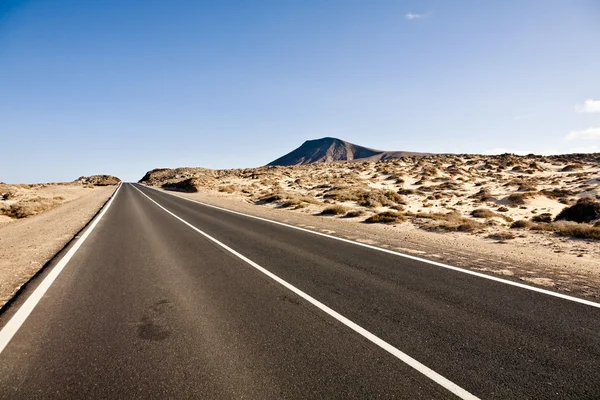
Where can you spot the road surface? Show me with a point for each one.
(169, 298)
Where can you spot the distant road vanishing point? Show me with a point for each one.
(164, 297)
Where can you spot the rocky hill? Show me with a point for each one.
(98, 180)
(331, 149)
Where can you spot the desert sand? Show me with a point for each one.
(44, 218)
(490, 213)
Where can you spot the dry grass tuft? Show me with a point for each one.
(502, 236)
(29, 207)
(545, 217)
(335, 210)
(228, 189)
(354, 214)
(585, 210)
(452, 222)
(485, 213)
(562, 228)
(577, 230)
(386, 217)
(522, 223)
(519, 198)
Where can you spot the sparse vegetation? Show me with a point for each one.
(467, 193)
(519, 198)
(571, 167)
(291, 202)
(30, 207)
(522, 223)
(545, 217)
(483, 213)
(354, 213)
(386, 217)
(577, 230)
(502, 236)
(585, 210)
(334, 210)
(271, 197)
(227, 189)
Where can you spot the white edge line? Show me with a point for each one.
(438, 264)
(13, 325)
(428, 372)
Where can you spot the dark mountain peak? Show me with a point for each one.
(329, 149)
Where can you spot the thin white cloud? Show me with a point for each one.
(413, 16)
(589, 133)
(588, 106)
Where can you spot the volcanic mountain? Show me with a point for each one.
(331, 149)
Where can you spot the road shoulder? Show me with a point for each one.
(27, 245)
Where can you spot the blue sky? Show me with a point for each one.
(123, 86)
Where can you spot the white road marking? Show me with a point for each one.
(428, 372)
(438, 264)
(13, 325)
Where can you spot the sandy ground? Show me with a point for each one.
(539, 258)
(27, 244)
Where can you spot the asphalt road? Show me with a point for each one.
(148, 307)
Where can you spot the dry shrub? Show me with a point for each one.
(438, 216)
(557, 193)
(577, 230)
(571, 167)
(291, 202)
(464, 225)
(406, 191)
(354, 214)
(585, 210)
(30, 207)
(272, 197)
(484, 194)
(335, 210)
(366, 198)
(502, 236)
(485, 213)
(386, 217)
(442, 186)
(228, 189)
(545, 217)
(519, 198)
(542, 226)
(563, 228)
(452, 222)
(394, 197)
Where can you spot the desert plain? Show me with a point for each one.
(527, 218)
